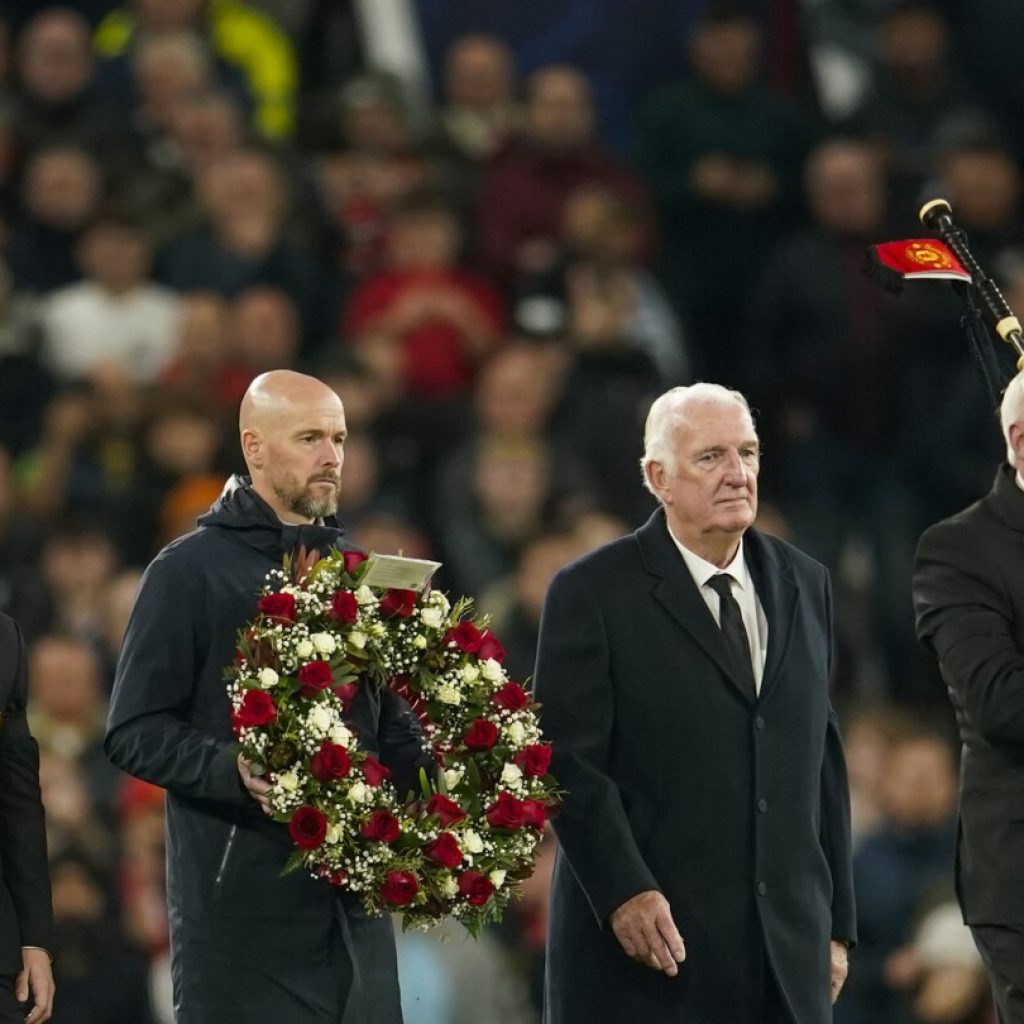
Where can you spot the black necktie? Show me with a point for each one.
(731, 622)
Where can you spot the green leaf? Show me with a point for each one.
(294, 862)
(425, 784)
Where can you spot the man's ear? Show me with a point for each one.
(252, 448)
(1016, 438)
(657, 478)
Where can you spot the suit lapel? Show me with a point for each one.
(676, 592)
(773, 581)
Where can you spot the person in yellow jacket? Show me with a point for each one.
(239, 36)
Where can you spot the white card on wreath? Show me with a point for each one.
(386, 571)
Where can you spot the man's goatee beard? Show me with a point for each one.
(315, 508)
(306, 505)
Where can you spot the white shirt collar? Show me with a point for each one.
(702, 570)
(1017, 478)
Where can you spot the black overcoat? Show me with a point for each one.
(969, 602)
(246, 945)
(736, 809)
(26, 916)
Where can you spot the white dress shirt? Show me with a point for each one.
(754, 620)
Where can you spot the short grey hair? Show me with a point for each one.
(668, 411)
(1012, 411)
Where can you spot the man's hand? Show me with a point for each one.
(257, 787)
(645, 930)
(36, 978)
(840, 967)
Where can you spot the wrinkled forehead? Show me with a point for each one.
(714, 421)
(323, 413)
(285, 416)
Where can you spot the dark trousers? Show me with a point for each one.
(1002, 951)
(11, 1011)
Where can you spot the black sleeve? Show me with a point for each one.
(573, 683)
(149, 731)
(965, 614)
(401, 744)
(22, 825)
(835, 837)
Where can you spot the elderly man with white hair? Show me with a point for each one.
(704, 872)
(969, 602)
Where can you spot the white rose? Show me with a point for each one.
(492, 671)
(471, 841)
(432, 617)
(516, 733)
(359, 793)
(340, 735)
(447, 694)
(357, 639)
(452, 777)
(439, 599)
(333, 834)
(469, 673)
(319, 720)
(378, 629)
(288, 781)
(511, 774)
(324, 642)
(419, 641)
(304, 648)
(364, 595)
(268, 678)
(450, 888)
(497, 876)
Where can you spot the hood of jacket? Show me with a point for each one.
(241, 510)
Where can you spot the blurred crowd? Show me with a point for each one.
(195, 191)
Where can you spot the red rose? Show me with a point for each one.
(534, 813)
(477, 888)
(444, 850)
(315, 676)
(374, 772)
(465, 636)
(382, 826)
(346, 693)
(447, 810)
(511, 697)
(258, 708)
(481, 735)
(399, 888)
(534, 759)
(397, 603)
(344, 606)
(506, 812)
(277, 606)
(330, 762)
(308, 827)
(490, 647)
(353, 559)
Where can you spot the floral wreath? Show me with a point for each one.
(460, 846)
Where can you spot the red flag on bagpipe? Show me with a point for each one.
(892, 263)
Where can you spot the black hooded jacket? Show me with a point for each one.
(244, 940)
